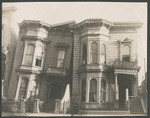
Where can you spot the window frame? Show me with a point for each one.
(94, 54)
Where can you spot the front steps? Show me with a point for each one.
(103, 112)
(136, 106)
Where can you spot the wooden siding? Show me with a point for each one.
(76, 63)
(52, 51)
(14, 75)
(114, 47)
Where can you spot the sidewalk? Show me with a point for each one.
(7, 114)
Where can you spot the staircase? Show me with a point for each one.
(136, 106)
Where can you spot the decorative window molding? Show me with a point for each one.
(125, 49)
(62, 46)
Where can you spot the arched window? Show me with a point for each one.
(94, 53)
(103, 54)
(23, 88)
(126, 53)
(60, 60)
(93, 90)
(83, 94)
(29, 55)
(84, 54)
(103, 90)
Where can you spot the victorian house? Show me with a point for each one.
(96, 58)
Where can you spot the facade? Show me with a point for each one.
(9, 39)
(97, 58)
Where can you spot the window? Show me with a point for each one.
(126, 53)
(93, 90)
(29, 55)
(60, 61)
(39, 56)
(94, 53)
(84, 54)
(103, 90)
(83, 94)
(23, 87)
(103, 54)
(33, 91)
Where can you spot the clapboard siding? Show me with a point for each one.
(114, 47)
(76, 62)
(14, 75)
(52, 51)
(111, 87)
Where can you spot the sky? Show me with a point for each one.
(58, 12)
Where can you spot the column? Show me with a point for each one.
(99, 90)
(116, 86)
(57, 106)
(116, 102)
(2, 88)
(127, 94)
(22, 109)
(127, 105)
(36, 106)
(87, 91)
(18, 88)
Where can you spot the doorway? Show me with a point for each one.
(55, 92)
(124, 82)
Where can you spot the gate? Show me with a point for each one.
(29, 106)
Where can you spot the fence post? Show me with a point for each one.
(36, 106)
(57, 106)
(22, 109)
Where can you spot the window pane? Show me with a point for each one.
(61, 54)
(93, 90)
(125, 50)
(94, 48)
(60, 63)
(94, 52)
(28, 59)
(39, 51)
(23, 87)
(30, 49)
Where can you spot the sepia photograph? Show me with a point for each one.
(74, 59)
